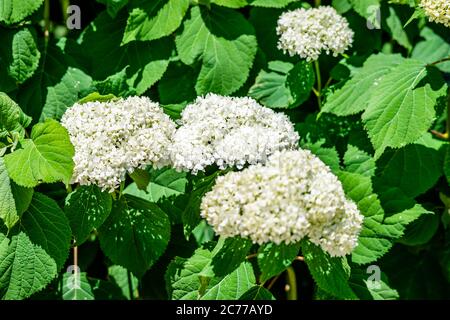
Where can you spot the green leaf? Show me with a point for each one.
(203, 232)
(264, 21)
(447, 163)
(25, 55)
(87, 208)
(229, 254)
(113, 6)
(274, 259)
(421, 231)
(271, 3)
(358, 161)
(8, 212)
(225, 43)
(47, 226)
(14, 200)
(115, 84)
(328, 155)
(119, 275)
(150, 20)
(354, 96)
(182, 275)
(12, 118)
(141, 178)
(95, 96)
(395, 26)
(135, 234)
(45, 158)
(399, 112)
(177, 84)
(232, 286)
(76, 287)
(105, 290)
(101, 44)
(365, 8)
(231, 3)
(432, 49)
(330, 273)
(14, 11)
(164, 183)
(379, 230)
(63, 94)
(285, 85)
(185, 282)
(416, 276)
(25, 268)
(174, 110)
(341, 6)
(406, 170)
(56, 85)
(257, 293)
(22, 197)
(191, 213)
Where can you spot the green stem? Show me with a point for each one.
(272, 282)
(292, 282)
(439, 61)
(122, 186)
(317, 3)
(75, 265)
(130, 285)
(64, 5)
(319, 84)
(47, 21)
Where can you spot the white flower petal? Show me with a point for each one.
(293, 196)
(116, 137)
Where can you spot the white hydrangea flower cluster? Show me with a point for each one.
(116, 137)
(437, 11)
(229, 131)
(308, 32)
(293, 196)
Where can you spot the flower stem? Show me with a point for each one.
(317, 3)
(122, 186)
(439, 61)
(272, 282)
(130, 285)
(75, 267)
(292, 282)
(250, 256)
(47, 21)
(64, 5)
(319, 84)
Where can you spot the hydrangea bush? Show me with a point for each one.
(204, 149)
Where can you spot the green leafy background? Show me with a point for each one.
(380, 125)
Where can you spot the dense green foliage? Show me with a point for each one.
(377, 123)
